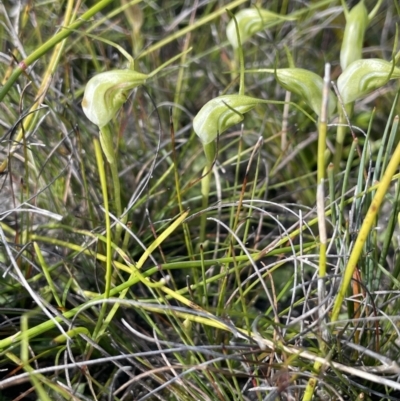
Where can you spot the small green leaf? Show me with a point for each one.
(353, 38)
(363, 76)
(221, 113)
(250, 21)
(106, 92)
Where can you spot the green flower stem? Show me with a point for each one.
(340, 135)
(168, 62)
(240, 54)
(108, 276)
(322, 133)
(210, 152)
(106, 140)
(345, 184)
(64, 33)
(331, 181)
(364, 231)
(205, 193)
(375, 10)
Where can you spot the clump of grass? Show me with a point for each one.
(122, 280)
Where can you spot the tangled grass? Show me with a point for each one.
(268, 271)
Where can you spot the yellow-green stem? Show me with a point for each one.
(210, 152)
(205, 192)
(322, 130)
(106, 140)
(241, 56)
(103, 182)
(340, 135)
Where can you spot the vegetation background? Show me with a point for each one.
(196, 294)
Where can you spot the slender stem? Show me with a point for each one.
(241, 56)
(205, 193)
(345, 184)
(374, 11)
(103, 181)
(210, 152)
(322, 131)
(345, 8)
(106, 140)
(170, 61)
(340, 135)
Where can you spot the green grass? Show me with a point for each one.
(190, 271)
